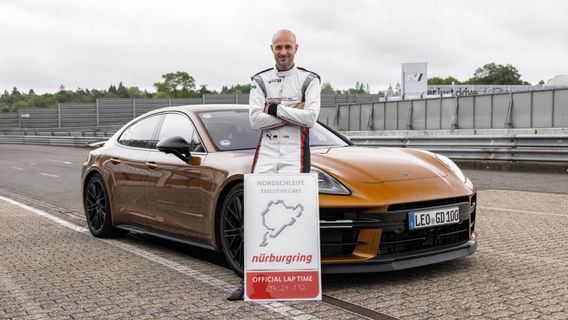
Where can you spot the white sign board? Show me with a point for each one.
(282, 244)
(414, 79)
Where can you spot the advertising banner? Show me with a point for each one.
(414, 79)
(282, 245)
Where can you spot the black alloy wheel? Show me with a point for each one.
(97, 208)
(231, 228)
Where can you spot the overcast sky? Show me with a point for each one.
(92, 44)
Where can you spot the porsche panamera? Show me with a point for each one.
(177, 173)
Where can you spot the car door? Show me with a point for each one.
(127, 165)
(176, 189)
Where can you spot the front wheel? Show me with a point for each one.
(231, 228)
(97, 209)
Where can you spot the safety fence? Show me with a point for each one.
(532, 109)
(528, 109)
(119, 111)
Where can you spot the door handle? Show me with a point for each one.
(151, 165)
(115, 160)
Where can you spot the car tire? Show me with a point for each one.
(97, 209)
(231, 230)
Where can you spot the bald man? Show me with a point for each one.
(284, 104)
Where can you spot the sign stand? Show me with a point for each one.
(282, 244)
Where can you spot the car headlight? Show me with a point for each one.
(452, 166)
(328, 184)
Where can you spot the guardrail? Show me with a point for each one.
(51, 140)
(524, 147)
(542, 148)
(104, 131)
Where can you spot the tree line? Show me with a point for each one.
(181, 84)
(173, 85)
(489, 74)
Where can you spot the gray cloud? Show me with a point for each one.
(95, 43)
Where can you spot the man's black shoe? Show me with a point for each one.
(237, 294)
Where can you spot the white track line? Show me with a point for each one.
(60, 161)
(48, 175)
(525, 211)
(17, 168)
(278, 307)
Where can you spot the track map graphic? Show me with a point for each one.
(278, 216)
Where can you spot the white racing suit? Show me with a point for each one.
(284, 145)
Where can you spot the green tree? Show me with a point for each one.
(492, 73)
(203, 90)
(121, 91)
(236, 89)
(176, 85)
(327, 88)
(20, 104)
(441, 81)
(360, 87)
(4, 107)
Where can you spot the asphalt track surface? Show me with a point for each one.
(52, 268)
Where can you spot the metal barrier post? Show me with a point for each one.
(371, 123)
(97, 106)
(360, 115)
(385, 114)
(455, 121)
(19, 119)
(133, 108)
(425, 114)
(531, 111)
(409, 119)
(59, 114)
(348, 117)
(491, 110)
(509, 119)
(473, 111)
(440, 122)
(552, 112)
(337, 116)
(397, 114)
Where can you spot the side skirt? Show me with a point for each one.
(168, 236)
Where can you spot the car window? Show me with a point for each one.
(231, 130)
(176, 124)
(141, 133)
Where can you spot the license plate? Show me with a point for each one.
(432, 218)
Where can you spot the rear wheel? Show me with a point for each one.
(97, 209)
(231, 229)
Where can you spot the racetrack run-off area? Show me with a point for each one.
(51, 267)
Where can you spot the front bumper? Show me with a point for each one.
(403, 261)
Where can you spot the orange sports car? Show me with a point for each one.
(177, 173)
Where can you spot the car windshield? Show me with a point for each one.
(231, 130)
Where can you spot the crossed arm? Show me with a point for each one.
(269, 116)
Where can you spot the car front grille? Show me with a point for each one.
(393, 242)
(337, 242)
(340, 228)
(426, 204)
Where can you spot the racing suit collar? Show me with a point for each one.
(286, 73)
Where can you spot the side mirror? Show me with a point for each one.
(176, 146)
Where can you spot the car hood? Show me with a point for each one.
(376, 165)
